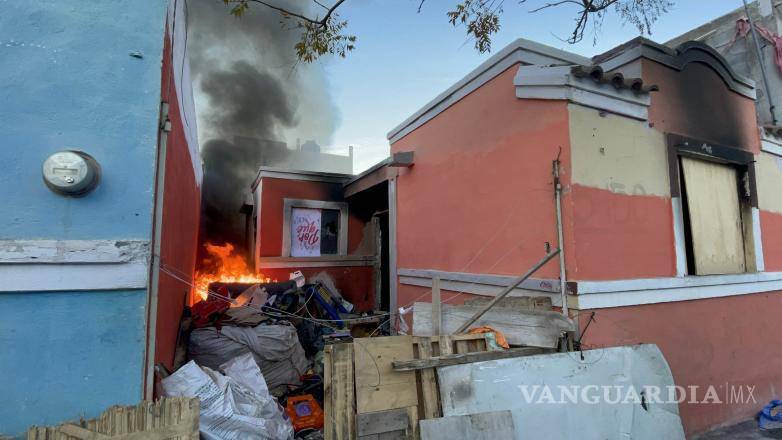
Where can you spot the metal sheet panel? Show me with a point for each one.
(483, 426)
(499, 385)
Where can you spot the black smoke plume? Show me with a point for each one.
(252, 98)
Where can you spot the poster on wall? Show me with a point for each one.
(305, 232)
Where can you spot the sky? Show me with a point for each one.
(403, 59)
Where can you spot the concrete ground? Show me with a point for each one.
(743, 431)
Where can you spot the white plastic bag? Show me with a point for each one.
(233, 406)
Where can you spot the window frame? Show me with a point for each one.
(289, 204)
(741, 159)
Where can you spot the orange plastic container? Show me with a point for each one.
(304, 412)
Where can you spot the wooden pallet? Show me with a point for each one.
(168, 418)
(385, 401)
(430, 346)
(339, 403)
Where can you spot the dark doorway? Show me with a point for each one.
(371, 207)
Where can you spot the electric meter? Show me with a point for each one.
(71, 173)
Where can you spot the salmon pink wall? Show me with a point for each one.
(274, 191)
(179, 235)
(355, 282)
(706, 342)
(480, 196)
(619, 236)
(771, 226)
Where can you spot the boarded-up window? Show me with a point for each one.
(716, 233)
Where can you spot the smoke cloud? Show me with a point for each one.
(252, 95)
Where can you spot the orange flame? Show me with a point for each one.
(226, 267)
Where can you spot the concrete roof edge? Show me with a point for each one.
(383, 163)
(685, 53)
(468, 83)
(283, 173)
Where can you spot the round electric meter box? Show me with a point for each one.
(71, 173)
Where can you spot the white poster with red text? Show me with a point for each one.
(305, 232)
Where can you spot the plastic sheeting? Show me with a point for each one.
(501, 385)
(276, 349)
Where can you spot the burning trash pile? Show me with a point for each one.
(255, 349)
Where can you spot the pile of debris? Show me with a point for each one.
(292, 360)
(387, 387)
(254, 354)
(459, 387)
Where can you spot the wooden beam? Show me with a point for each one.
(465, 358)
(507, 290)
(528, 328)
(437, 319)
(383, 422)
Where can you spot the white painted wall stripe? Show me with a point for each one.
(72, 277)
(80, 265)
(591, 287)
(760, 263)
(480, 284)
(606, 294)
(71, 251)
(558, 83)
(678, 237)
(688, 293)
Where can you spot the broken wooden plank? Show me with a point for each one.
(531, 328)
(464, 358)
(328, 390)
(378, 386)
(342, 392)
(429, 396)
(523, 303)
(481, 426)
(437, 319)
(461, 346)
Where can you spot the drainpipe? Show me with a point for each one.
(762, 64)
(560, 239)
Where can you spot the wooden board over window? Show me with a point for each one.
(715, 217)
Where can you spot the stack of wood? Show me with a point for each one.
(170, 418)
(380, 388)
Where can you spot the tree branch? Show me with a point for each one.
(551, 5)
(319, 22)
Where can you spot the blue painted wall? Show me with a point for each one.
(66, 355)
(67, 80)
